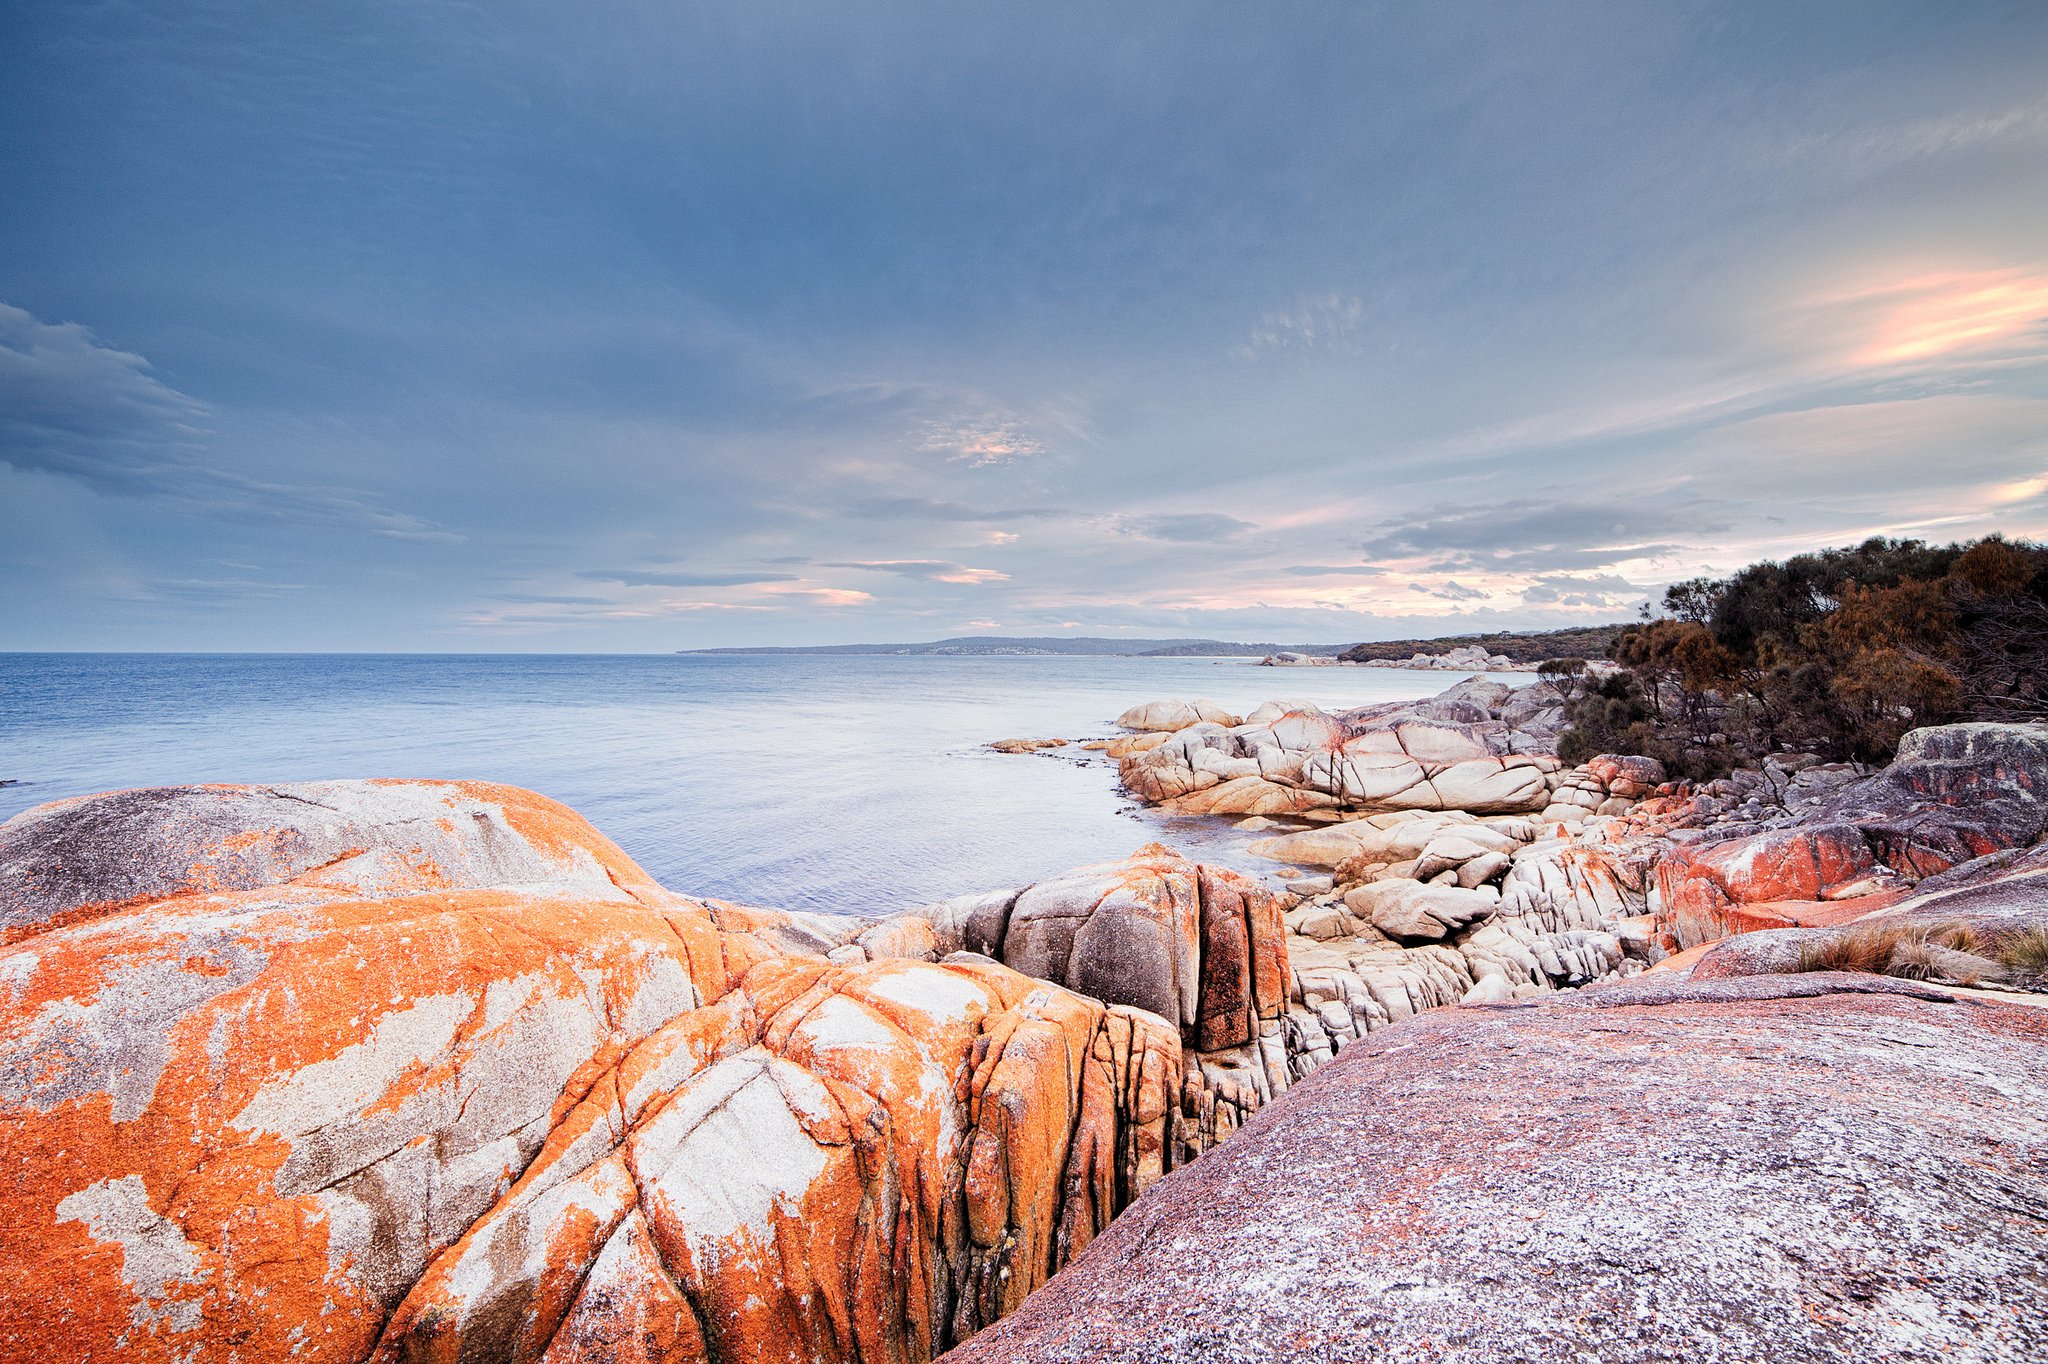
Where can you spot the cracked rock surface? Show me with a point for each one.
(1806, 1168)
(411, 1071)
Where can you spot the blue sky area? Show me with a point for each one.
(603, 326)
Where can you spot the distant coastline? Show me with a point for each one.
(1522, 646)
(1016, 646)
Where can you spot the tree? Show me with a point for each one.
(1837, 652)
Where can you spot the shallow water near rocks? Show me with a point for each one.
(847, 784)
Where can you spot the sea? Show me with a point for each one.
(851, 784)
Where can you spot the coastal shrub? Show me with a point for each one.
(1523, 646)
(1838, 653)
(1566, 676)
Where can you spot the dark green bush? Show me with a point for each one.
(1838, 652)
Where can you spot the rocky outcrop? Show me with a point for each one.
(1026, 745)
(1167, 716)
(1954, 794)
(425, 1070)
(1198, 946)
(1782, 1168)
(1984, 923)
(1465, 658)
(1480, 747)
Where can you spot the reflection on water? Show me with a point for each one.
(843, 784)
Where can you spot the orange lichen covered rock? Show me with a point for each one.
(431, 1071)
(1201, 947)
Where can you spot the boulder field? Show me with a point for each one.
(425, 1071)
(431, 1071)
(1442, 889)
(1481, 746)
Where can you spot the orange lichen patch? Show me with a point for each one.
(1807, 913)
(559, 831)
(628, 1310)
(1703, 888)
(378, 1016)
(1684, 960)
(344, 1114)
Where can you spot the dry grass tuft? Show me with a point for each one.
(1903, 950)
(2026, 952)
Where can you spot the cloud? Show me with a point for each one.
(926, 570)
(1452, 590)
(1188, 527)
(1544, 536)
(633, 577)
(825, 596)
(1919, 318)
(206, 591)
(72, 405)
(1595, 582)
(1309, 323)
(931, 509)
(546, 599)
(1327, 570)
(983, 442)
(1582, 590)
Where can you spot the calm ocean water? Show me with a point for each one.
(841, 784)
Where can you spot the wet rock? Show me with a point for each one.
(1175, 715)
(1027, 745)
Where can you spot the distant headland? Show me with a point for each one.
(1524, 645)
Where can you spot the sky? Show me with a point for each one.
(626, 326)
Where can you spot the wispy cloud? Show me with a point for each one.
(1451, 590)
(937, 509)
(1309, 323)
(550, 599)
(1544, 535)
(635, 577)
(1927, 317)
(72, 405)
(926, 570)
(75, 407)
(1185, 527)
(981, 441)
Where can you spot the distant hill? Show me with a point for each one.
(1523, 646)
(972, 645)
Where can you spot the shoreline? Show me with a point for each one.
(586, 1074)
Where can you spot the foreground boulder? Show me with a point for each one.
(1784, 1168)
(432, 1071)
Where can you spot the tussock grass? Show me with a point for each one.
(2026, 952)
(1904, 950)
